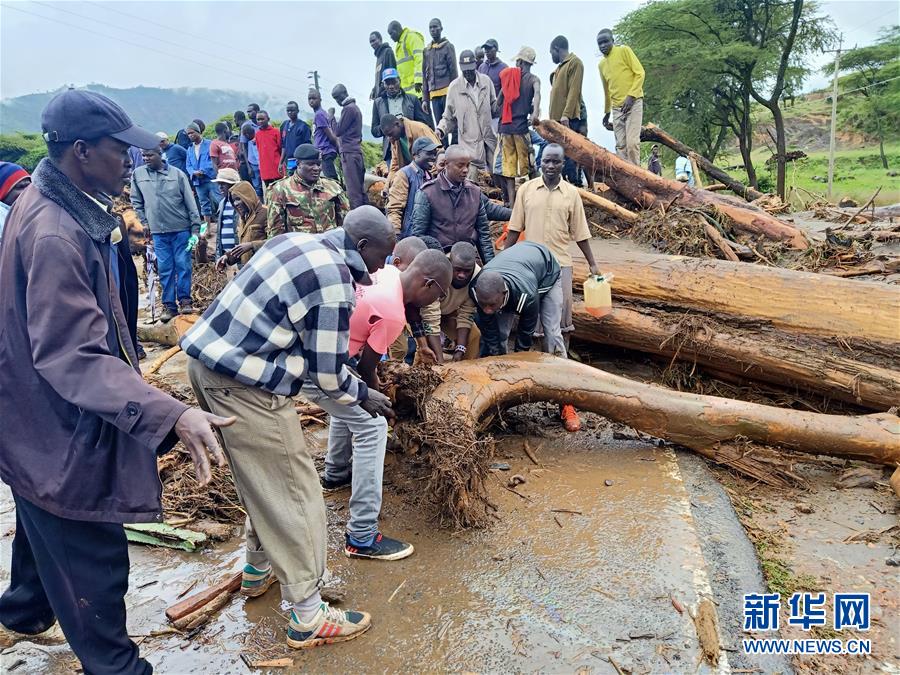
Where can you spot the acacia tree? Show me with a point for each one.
(872, 69)
(721, 56)
(778, 35)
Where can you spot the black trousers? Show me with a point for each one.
(77, 572)
(328, 168)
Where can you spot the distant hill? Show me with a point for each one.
(152, 107)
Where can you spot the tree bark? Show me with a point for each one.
(648, 190)
(606, 205)
(761, 354)
(653, 133)
(800, 302)
(698, 422)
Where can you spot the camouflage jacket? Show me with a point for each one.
(296, 207)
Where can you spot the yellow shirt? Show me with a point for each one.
(622, 75)
(554, 218)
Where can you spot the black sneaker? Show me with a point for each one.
(383, 548)
(329, 486)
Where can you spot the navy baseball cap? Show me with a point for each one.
(77, 114)
(423, 144)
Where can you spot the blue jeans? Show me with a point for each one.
(173, 262)
(354, 436)
(209, 197)
(255, 179)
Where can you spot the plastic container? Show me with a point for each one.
(598, 295)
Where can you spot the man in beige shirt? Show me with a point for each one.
(549, 211)
(454, 315)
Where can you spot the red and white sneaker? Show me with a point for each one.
(328, 626)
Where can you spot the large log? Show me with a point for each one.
(803, 302)
(764, 355)
(648, 190)
(473, 391)
(652, 133)
(606, 205)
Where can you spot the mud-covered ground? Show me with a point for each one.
(597, 565)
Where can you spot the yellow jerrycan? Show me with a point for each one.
(598, 295)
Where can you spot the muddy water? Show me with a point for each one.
(529, 594)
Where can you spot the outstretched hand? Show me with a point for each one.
(194, 429)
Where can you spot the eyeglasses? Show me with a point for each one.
(440, 288)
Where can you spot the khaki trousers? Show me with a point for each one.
(275, 478)
(627, 129)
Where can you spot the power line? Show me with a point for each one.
(157, 39)
(178, 30)
(874, 84)
(869, 22)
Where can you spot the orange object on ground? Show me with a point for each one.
(570, 418)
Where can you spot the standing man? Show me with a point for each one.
(439, 63)
(393, 100)
(162, 198)
(200, 168)
(623, 88)
(449, 207)
(251, 152)
(684, 172)
(305, 201)
(406, 183)
(492, 65)
(221, 151)
(357, 441)
(81, 427)
(285, 319)
(174, 154)
(520, 106)
(349, 136)
(323, 134)
(653, 163)
(566, 104)
(253, 112)
(549, 211)
(268, 143)
(13, 181)
(408, 47)
(294, 132)
(401, 134)
(384, 59)
(471, 103)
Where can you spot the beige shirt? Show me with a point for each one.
(458, 303)
(554, 218)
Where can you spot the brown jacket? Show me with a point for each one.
(251, 230)
(413, 130)
(81, 429)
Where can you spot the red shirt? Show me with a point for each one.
(268, 142)
(226, 153)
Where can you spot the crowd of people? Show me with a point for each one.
(322, 288)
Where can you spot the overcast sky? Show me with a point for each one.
(270, 46)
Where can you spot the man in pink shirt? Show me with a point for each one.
(382, 310)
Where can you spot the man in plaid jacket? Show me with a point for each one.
(282, 320)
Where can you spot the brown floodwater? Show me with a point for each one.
(538, 591)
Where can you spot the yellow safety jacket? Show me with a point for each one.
(408, 51)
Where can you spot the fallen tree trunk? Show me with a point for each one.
(648, 190)
(803, 302)
(762, 355)
(652, 133)
(472, 392)
(606, 205)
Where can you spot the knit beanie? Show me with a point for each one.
(10, 174)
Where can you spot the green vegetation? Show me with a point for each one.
(710, 62)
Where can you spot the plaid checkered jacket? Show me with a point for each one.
(286, 317)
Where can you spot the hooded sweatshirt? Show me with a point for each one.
(253, 228)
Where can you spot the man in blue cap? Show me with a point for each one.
(395, 101)
(81, 427)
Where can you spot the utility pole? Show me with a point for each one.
(314, 76)
(834, 98)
